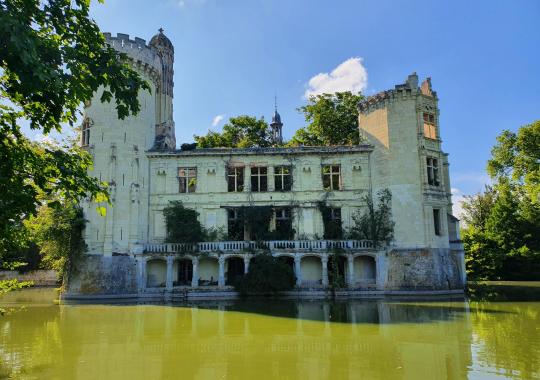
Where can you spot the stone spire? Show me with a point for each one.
(276, 125)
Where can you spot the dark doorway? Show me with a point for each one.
(236, 268)
(185, 272)
(287, 260)
(341, 262)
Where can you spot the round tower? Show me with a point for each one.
(117, 148)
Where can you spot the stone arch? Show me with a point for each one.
(311, 269)
(234, 267)
(208, 270)
(365, 269)
(156, 272)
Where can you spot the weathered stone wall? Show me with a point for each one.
(40, 277)
(105, 275)
(424, 269)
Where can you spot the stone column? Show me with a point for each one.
(143, 274)
(195, 278)
(324, 261)
(246, 264)
(221, 281)
(350, 259)
(297, 260)
(169, 282)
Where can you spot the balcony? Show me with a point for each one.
(236, 246)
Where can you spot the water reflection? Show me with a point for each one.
(270, 338)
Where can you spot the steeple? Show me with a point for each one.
(276, 125)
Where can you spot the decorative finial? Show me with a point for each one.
(160, 30)
(275, 100)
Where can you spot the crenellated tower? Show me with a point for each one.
(117, 147)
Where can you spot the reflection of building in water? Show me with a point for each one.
(375, 340)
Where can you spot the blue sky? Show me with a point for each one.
(232, 56)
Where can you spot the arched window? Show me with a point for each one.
(85, 140)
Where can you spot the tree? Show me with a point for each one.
(241, 132)
(375, 223)
(59, 234)
(332, 118)
(516, 158)
(53, 58)
(183, 224)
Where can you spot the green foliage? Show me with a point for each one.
(332, 118)
(335, 279)
(241, 132)
(503, 223)
(53, 58)
(9, 285)
(183, 224)
(266, 274)
(332, 228)
(375, 223)
(59, 234)
(256, 221)
(501, 237)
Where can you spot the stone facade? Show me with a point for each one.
(401, 151)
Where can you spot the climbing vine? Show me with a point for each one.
(332, 227)
(375, 223)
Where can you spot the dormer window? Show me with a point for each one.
(429, 126)
(85, 135)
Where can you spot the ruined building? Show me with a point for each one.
(137, 157)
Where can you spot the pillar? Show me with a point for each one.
(350, 259)
(297, 260)
(195, 278)
(221, 281)
(143, 273)
(246, 264)
(169, 282)
(324, 261)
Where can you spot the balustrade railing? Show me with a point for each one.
(235, 246)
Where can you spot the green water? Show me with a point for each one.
(493, 335)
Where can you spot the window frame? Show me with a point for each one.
(237, 175)
(282, 176)
(259, 176)
(85, 133)
(437, 221)
(187, 179)
(432, 165)
(429, 124)
(331, 174)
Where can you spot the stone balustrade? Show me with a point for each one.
(235, 246)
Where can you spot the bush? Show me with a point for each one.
(266, 274)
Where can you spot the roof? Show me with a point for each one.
(161, 41)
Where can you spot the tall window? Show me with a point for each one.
(433, 171)
(235, 229)
(85, 141)
(284, 230)
(331, 177)
(282, 178)
(437, 221)
(259, 179)
(188, 180)
(429, 126)
(236, 179)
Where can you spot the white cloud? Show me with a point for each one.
(454, 191)
(217, 119)
(42, 138)
(349, 76)
(181, 3)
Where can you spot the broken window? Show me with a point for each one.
(188, 180)
(331, 177)
(284, 230)
(235, 178)
(85, 140)
(259, 179)
(235, 228)
(282, 178)
(429, 126)
(437, 221)
(433, 171)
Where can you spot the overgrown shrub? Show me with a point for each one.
(375, 224)
(183, 224)
(266, 274)
(332, 228)
(335, 279)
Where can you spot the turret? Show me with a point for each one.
(117, 147)
(276, 126)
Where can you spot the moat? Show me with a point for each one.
(493, 334)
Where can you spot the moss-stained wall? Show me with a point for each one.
(156, 272)
(104, 275)
(208, 268)
(311, 269)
